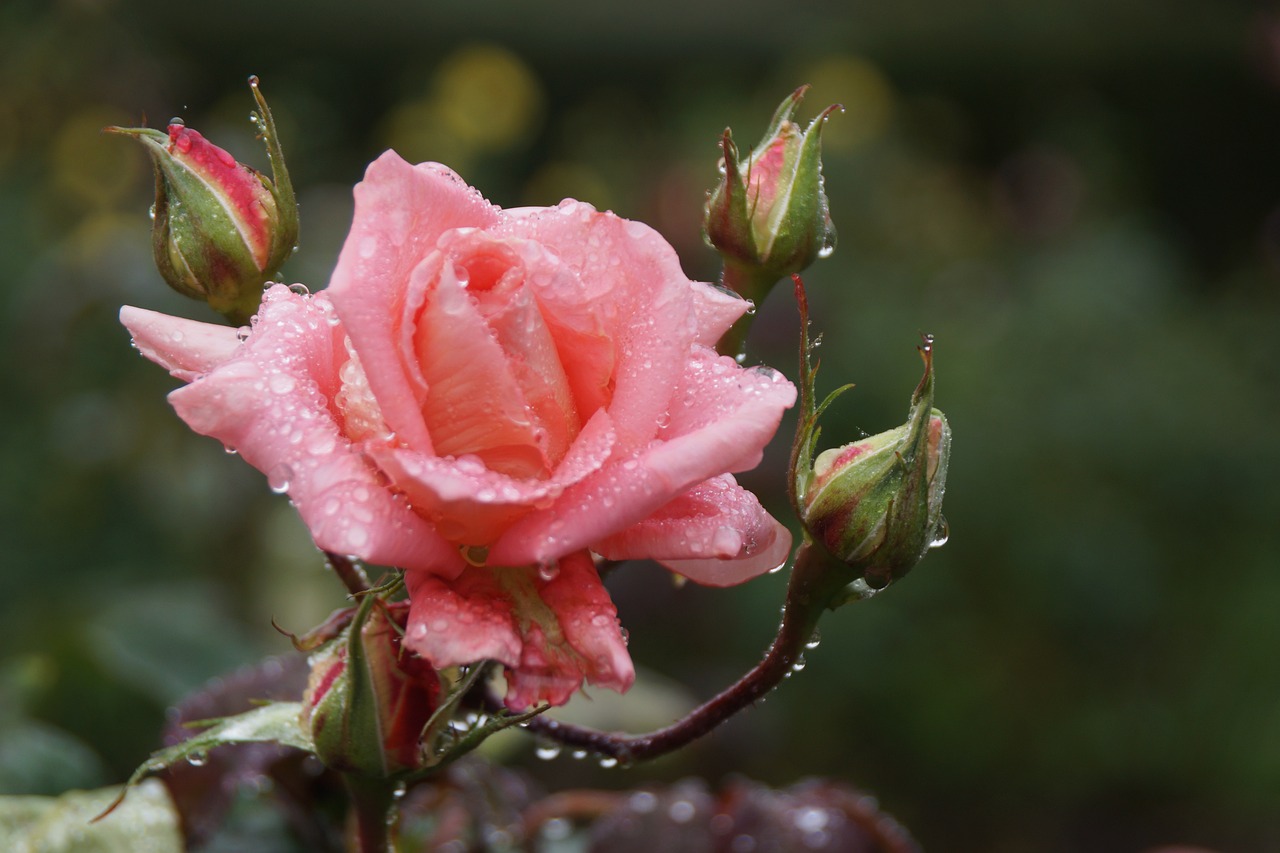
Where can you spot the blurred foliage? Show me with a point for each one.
(1079, 199)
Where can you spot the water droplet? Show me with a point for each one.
(300, 289)
(547, 751)
(400, 790)
(798, 665)
(608, 761)
(557, 829)
(178, 120)
(197, 759)
(242, 333)
(813, 641)
(643, 802)
(278, 478)
(681, 811)
(253, 80)
(549, 571)
(231, 451)
(579, 754)
(941, 535)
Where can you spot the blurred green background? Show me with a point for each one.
(1081, 200)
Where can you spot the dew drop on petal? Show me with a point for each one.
(278, 478)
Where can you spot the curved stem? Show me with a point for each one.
(815, 581)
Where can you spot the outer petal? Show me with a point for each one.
(716, 534)
(271, 402)
(550, 634)
(715, 310)
(721, 419)
(401, 212)
(186, 348)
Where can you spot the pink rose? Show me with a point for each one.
(485, 398)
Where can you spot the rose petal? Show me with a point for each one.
(717, 534)
(722, 417)
(471, 504)
(629, 279)
(550, 633)
(271, 402)
(715, 310)
(401, 212)
(186, 348)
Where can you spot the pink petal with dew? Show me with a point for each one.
(627, 280)
(460, 621)
(550, 633)
(272, 403)
(716, 534)
(714, 310)
(186, 348)
(725, 417)
(472, 504)
(401, 213)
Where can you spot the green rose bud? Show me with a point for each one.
(876, 504)
(222, 230)
(768, 216)
(369, 699)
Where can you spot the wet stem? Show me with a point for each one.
(752, 284)
(815, 580)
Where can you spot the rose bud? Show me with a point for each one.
(768, 215)
(222, 230)
(369, 698)
(876, 504)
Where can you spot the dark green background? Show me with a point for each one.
(1081, 200)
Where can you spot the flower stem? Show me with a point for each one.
(372, 802)
(815, 582)
(752, 284)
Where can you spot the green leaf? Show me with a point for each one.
(147, 823)
(278, 722)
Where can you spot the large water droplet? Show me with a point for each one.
(547, 751)
(278, 478)
(941, 534)
(813, 641)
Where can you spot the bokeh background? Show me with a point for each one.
(1081, 200)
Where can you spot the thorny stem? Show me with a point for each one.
(351, 575)
(815, 581)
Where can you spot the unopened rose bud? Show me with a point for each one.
(768, 215)
(876, 504)
(369, 699)
(222, 230)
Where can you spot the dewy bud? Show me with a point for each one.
(876, 504)
(369, 699)
(222, 230)
(769, 212)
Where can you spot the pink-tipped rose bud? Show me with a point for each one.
(769, 212)
(369, 698)
(876, 504)
(222, 230)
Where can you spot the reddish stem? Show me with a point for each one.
(814, 581)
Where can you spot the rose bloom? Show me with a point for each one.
(487, 398)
